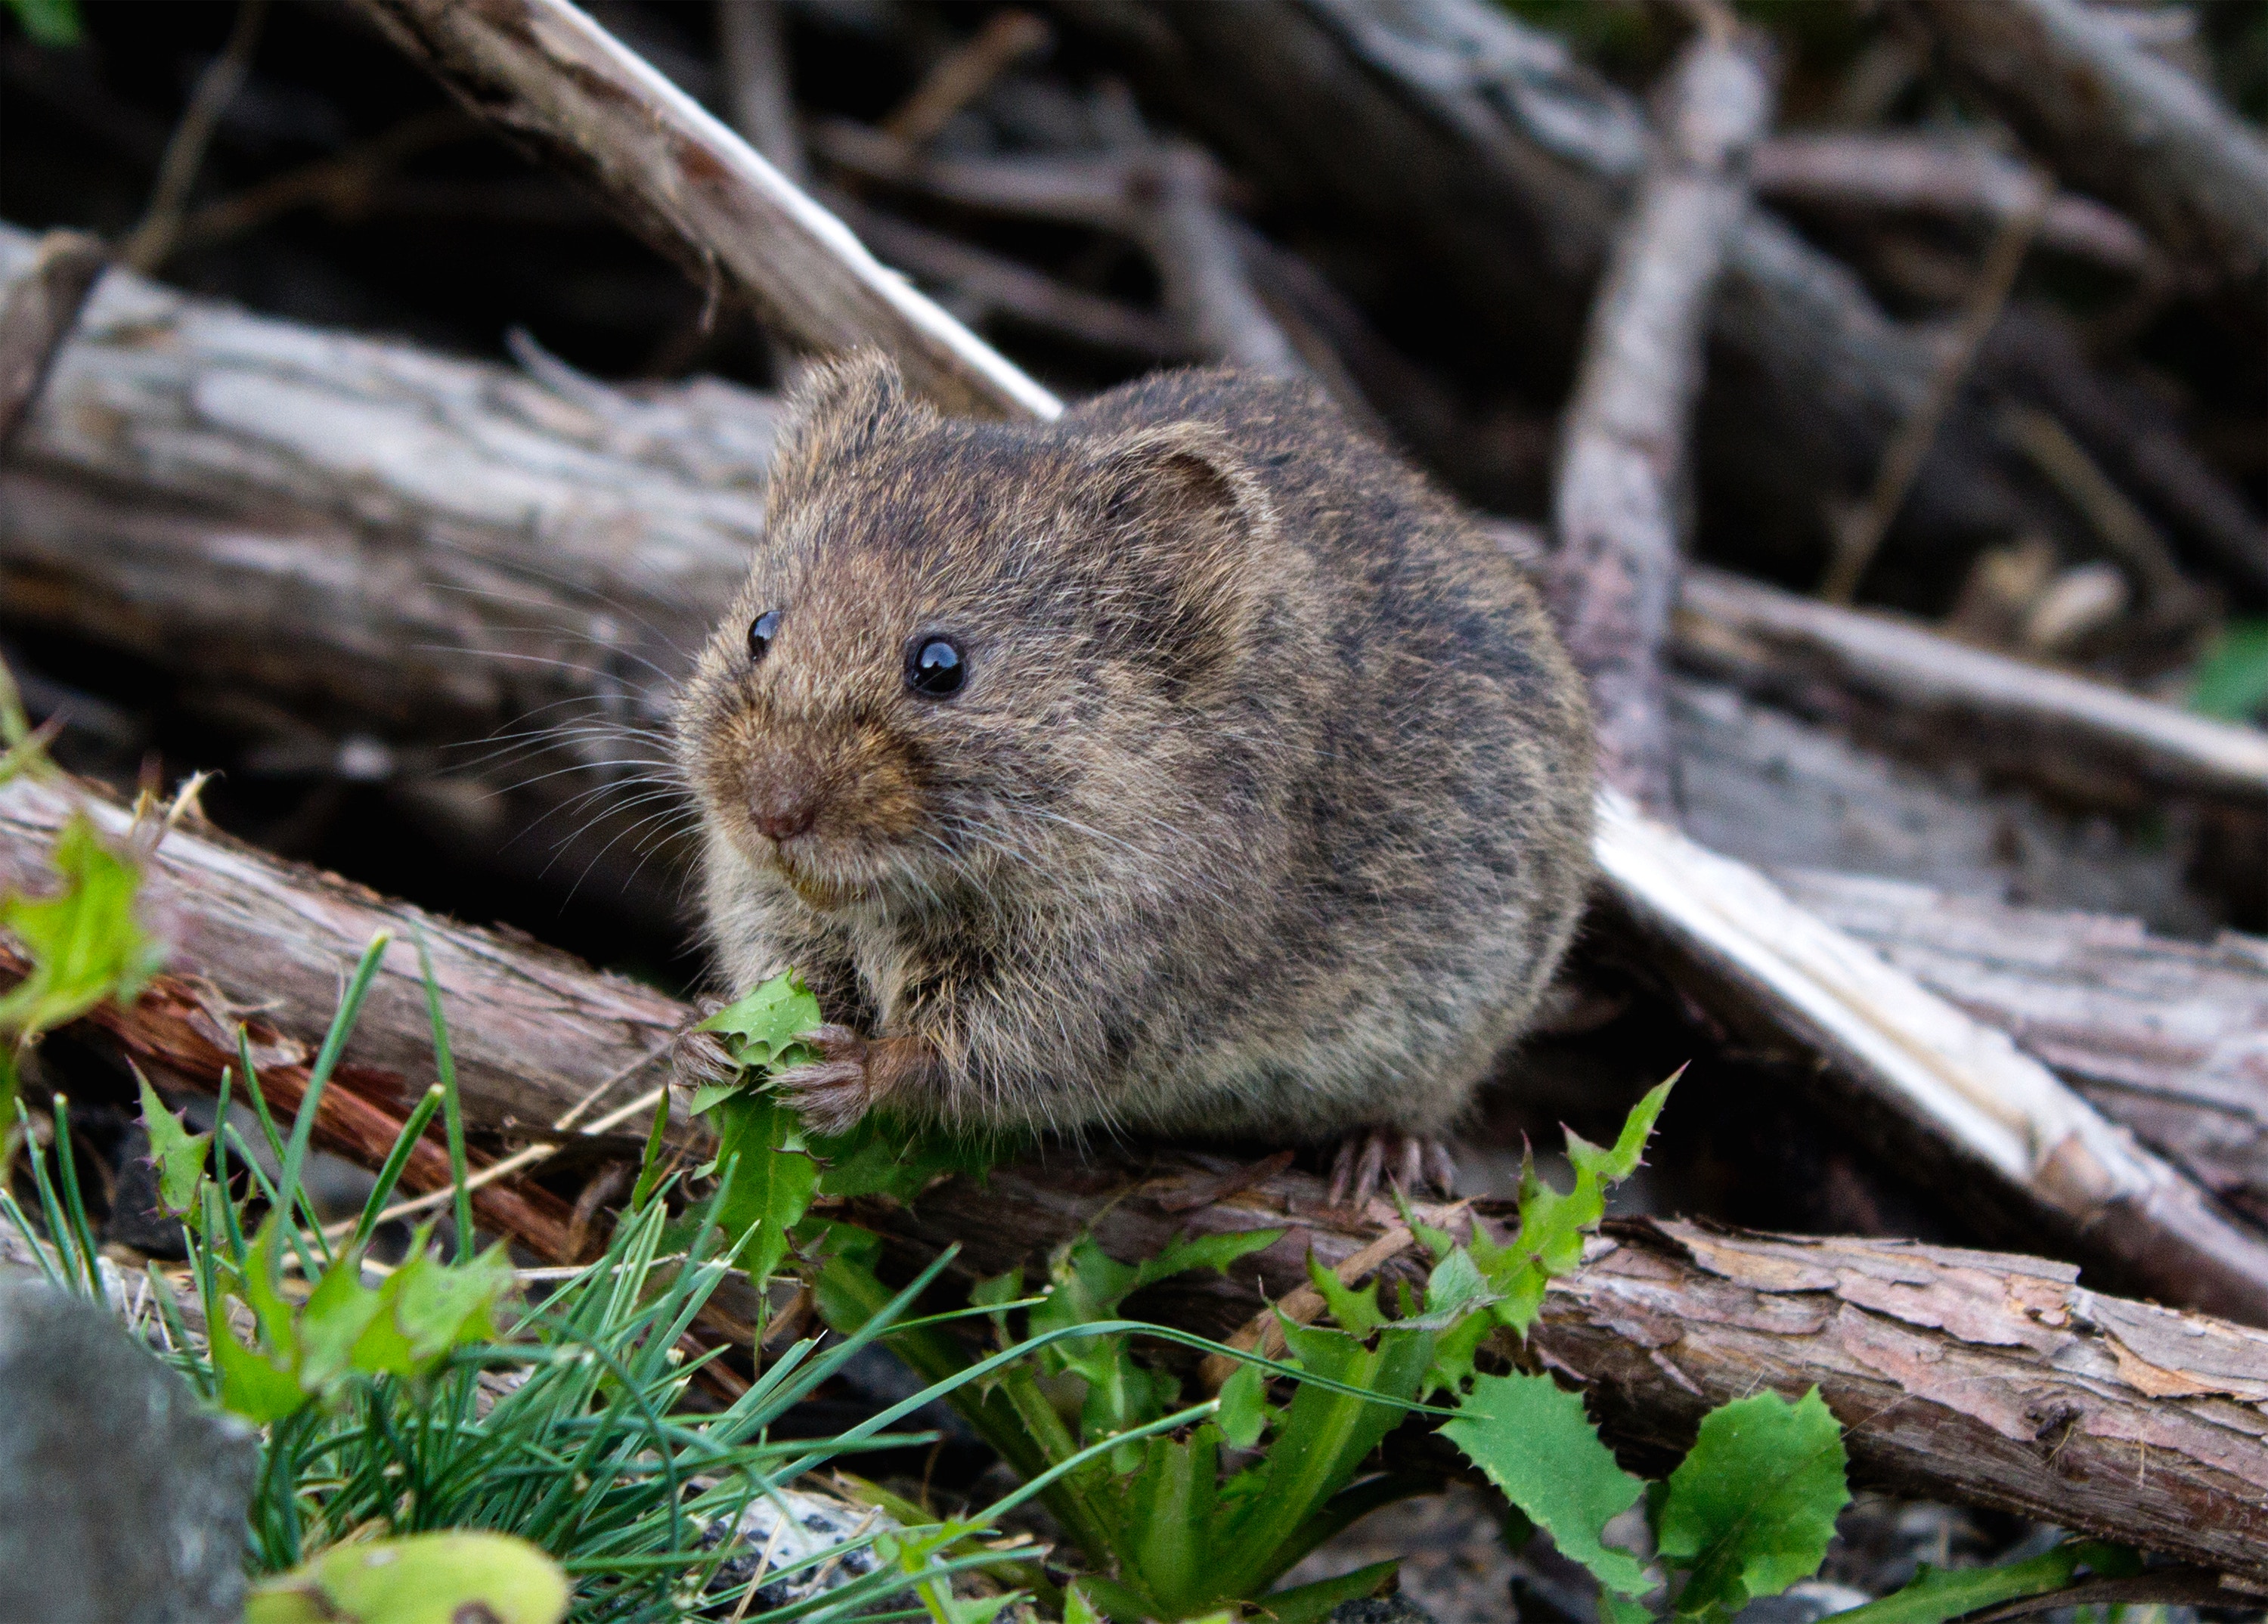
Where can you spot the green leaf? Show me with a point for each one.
(1936, 1594)
(1750, 1509)
(2232, 680)
(180, 1154)
(773, 1177)
(1356, 1312)
(85, 942)
(1536, 1444)
(1319, 1444)
(1306, 1604)
(760, 1029)
(436, 1578)
(1077, 1608)
(1614, 1165)
(51, 23)
(1171, 1523)
(1243, 1413)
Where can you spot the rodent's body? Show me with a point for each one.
(1263, 811)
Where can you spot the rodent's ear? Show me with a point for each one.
(835, 409)
(1187, 520)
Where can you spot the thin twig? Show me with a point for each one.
(1860, 536)
(153, 240)
(965, 73)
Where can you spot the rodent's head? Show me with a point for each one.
(966, 647)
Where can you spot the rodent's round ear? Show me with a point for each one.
(1184, 517)
(836, 407)
(1177, 475)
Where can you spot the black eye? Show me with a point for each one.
(934, 667)
(762, 630)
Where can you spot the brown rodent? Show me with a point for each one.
(1186, 764)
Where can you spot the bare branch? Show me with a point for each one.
(1622, 469)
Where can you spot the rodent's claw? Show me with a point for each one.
(1370, 1157)
(831, 1093)
(697, 1056)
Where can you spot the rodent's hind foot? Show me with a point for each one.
(831, 1093)
(1368, 1157)
(696, 1057)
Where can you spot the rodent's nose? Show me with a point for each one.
(783, 811)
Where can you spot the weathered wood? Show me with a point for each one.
(1759, 961)
(2169, 1037)
(2115, 121)
(2077, 737)
(37, 316)
(1959, 178)
(563, 85)
(1967, 1376)
(1620, 498)
(268, 943)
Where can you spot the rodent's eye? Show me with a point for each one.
(762, 630)
(935, 667)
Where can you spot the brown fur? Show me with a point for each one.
(1265, 808)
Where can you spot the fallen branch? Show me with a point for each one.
(1946, 179)
(1622, 476)
(1978, 1376)
(1969, 1376)
(2169, 1037)
(41, 306)
(2099, 745)
(561, 85)
(2115, 121)
(254, 939)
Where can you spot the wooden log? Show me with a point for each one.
(268, 943)
(37, 316)
(564, 87)
(2117, 122)
(1978, 1376)
(2064, 732)
(2169, 1037)
(1873, 171)
(1620, 491)
(1968, 1375)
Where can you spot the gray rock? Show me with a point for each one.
(121, 1497)
(783, 1528)
(1394, 1609)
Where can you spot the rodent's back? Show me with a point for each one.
(1447, 847)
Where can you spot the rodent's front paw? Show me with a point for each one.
(831, 1093)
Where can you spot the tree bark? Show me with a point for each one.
(2169, 1037)
(1619, 507)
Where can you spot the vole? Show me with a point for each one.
(1187, 766)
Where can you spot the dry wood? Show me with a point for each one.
(1479, 161)
(1948, 178)
(751, 38)
(2119, 122)
(559, 83)
(1970, 1376)
(41, 306)
(266, 943)
(1946, 1084)
(2169, 1037)
(2066, 733)
(1621, 486)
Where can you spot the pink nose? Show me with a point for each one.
(782, 812)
